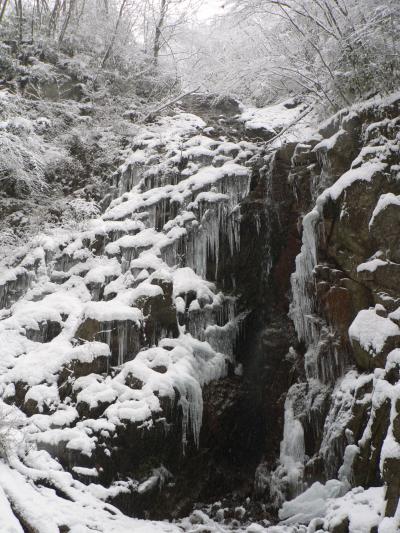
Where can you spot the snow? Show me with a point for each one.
(99, 274)
(10, 274)
(92, 472)
(362, 173)
(276, 117)
(372, 331)
(110, 311)
(46, 511)
(385, 200)
(42, 363)
(371, 265)
(329, 143)
(363, 508)
(186, 280)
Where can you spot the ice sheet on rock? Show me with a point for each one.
(312, 503)
(287, 480)
(344, 398)
(302, 306)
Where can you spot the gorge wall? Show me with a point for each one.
(226, 330)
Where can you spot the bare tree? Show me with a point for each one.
(20, 17)
(3, 6)
(67, 19)
(158, 31)
(114, 35)
(328, 49)
(53, 19)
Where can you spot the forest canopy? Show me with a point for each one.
(335, 51)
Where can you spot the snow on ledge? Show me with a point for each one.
(371, 266)
(108, 311)
(384, 201)
(372, 330)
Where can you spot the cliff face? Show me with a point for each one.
(227, 328)
(341, 414)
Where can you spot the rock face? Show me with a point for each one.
(344, 307)
(117, 332)
(229, 326)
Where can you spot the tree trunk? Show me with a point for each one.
(112, 42)
(20, 20)
(66, 21)
(3, 10)
(78, 21)
(53, 18)
(158, 32)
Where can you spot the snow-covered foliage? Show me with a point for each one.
(57, 158)
(330, 49)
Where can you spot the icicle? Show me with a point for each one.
(13, 289)
(191, 402)
(130, 177)
(287, 480)
(223, 338)
(302, 306)
(122, 343)
(322, 360)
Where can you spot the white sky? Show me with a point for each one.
(210, 8)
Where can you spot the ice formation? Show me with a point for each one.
(77, 312)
